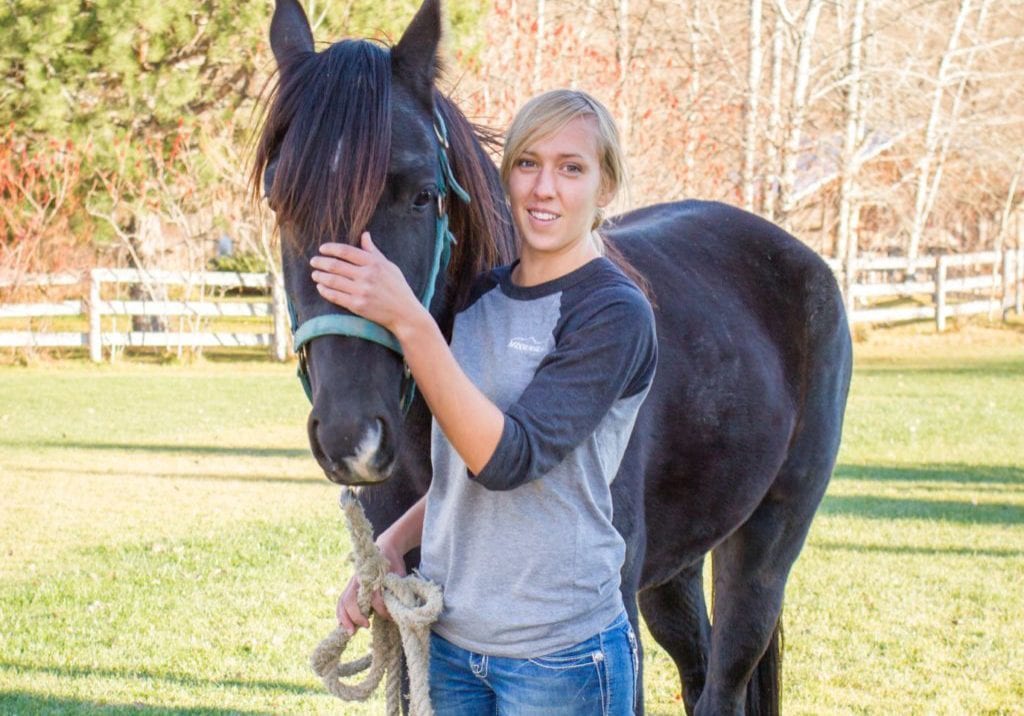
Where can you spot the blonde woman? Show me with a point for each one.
(533, 404)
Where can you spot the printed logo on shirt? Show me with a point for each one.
(526, 345)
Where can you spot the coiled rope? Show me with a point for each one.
(414, 604)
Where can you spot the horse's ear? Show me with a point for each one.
(414, 59)
(289, 31)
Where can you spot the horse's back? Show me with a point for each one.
(744, 312)
(725, 252)
(725, 279)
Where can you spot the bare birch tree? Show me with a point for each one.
(798, 103)
(927, 181)
(773, 143)
(751, 106)
(846, 239)
(693, 93)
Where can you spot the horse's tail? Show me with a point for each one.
(764, 690)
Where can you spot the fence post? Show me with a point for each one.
(849, 279)
(1007, 301)
(1019, 282)
(280, 326)
(95, 332)
(940, 294)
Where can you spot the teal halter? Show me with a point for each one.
(357, 326)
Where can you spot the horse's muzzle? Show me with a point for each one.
(352, 456)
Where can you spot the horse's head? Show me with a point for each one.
(350, 143)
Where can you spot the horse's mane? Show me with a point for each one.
(332, 108)
(329, 110)
(483, 228)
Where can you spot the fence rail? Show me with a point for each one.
(274, 334)
(936, 287)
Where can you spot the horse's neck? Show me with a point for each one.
(487, 239)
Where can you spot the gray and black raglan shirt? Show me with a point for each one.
(525, 550)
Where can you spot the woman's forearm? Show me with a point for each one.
(470, 421)
(406, 533)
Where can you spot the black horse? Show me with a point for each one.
(736, 442)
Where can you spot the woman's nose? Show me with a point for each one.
(545, 184)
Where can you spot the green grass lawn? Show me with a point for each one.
(169, 546)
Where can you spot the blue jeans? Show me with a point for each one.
(595, 677)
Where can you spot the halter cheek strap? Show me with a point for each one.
(358, 327)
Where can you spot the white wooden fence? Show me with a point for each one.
(275, 334)
(933, 287)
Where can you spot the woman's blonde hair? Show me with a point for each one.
(547, 114)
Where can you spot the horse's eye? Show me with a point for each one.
(424, 198)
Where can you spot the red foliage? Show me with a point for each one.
(41, 193)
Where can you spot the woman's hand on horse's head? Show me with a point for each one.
(363, 281)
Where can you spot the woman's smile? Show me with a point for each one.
(541, 215)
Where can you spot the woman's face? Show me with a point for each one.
(555, 190)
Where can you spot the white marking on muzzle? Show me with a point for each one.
(361, 464)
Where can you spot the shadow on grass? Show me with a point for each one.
(895, 508)
(22, 702)
(219, 476)
(991, 368)
(960, 473)
(79, 672)
(909, 550)
(243, 451)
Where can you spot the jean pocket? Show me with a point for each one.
(586, 653)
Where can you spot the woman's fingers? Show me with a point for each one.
(356, 618)
(337, 281)
(338, 298)
(378, 605)
(367, 243)
(330, 265)
(345, 621)
(349, 616)
(345, 252)
(342, 288)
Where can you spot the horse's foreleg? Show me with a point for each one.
(677, 617)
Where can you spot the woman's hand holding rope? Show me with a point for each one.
(350, 616)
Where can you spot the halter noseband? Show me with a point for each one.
(358, 327)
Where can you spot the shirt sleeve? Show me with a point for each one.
(608, 355)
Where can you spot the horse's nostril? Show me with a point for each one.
(316, 444)
(311, 429)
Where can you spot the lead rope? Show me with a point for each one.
(414, 603)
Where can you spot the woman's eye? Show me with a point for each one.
(526, 164)
(423, 198)
(573, 168)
